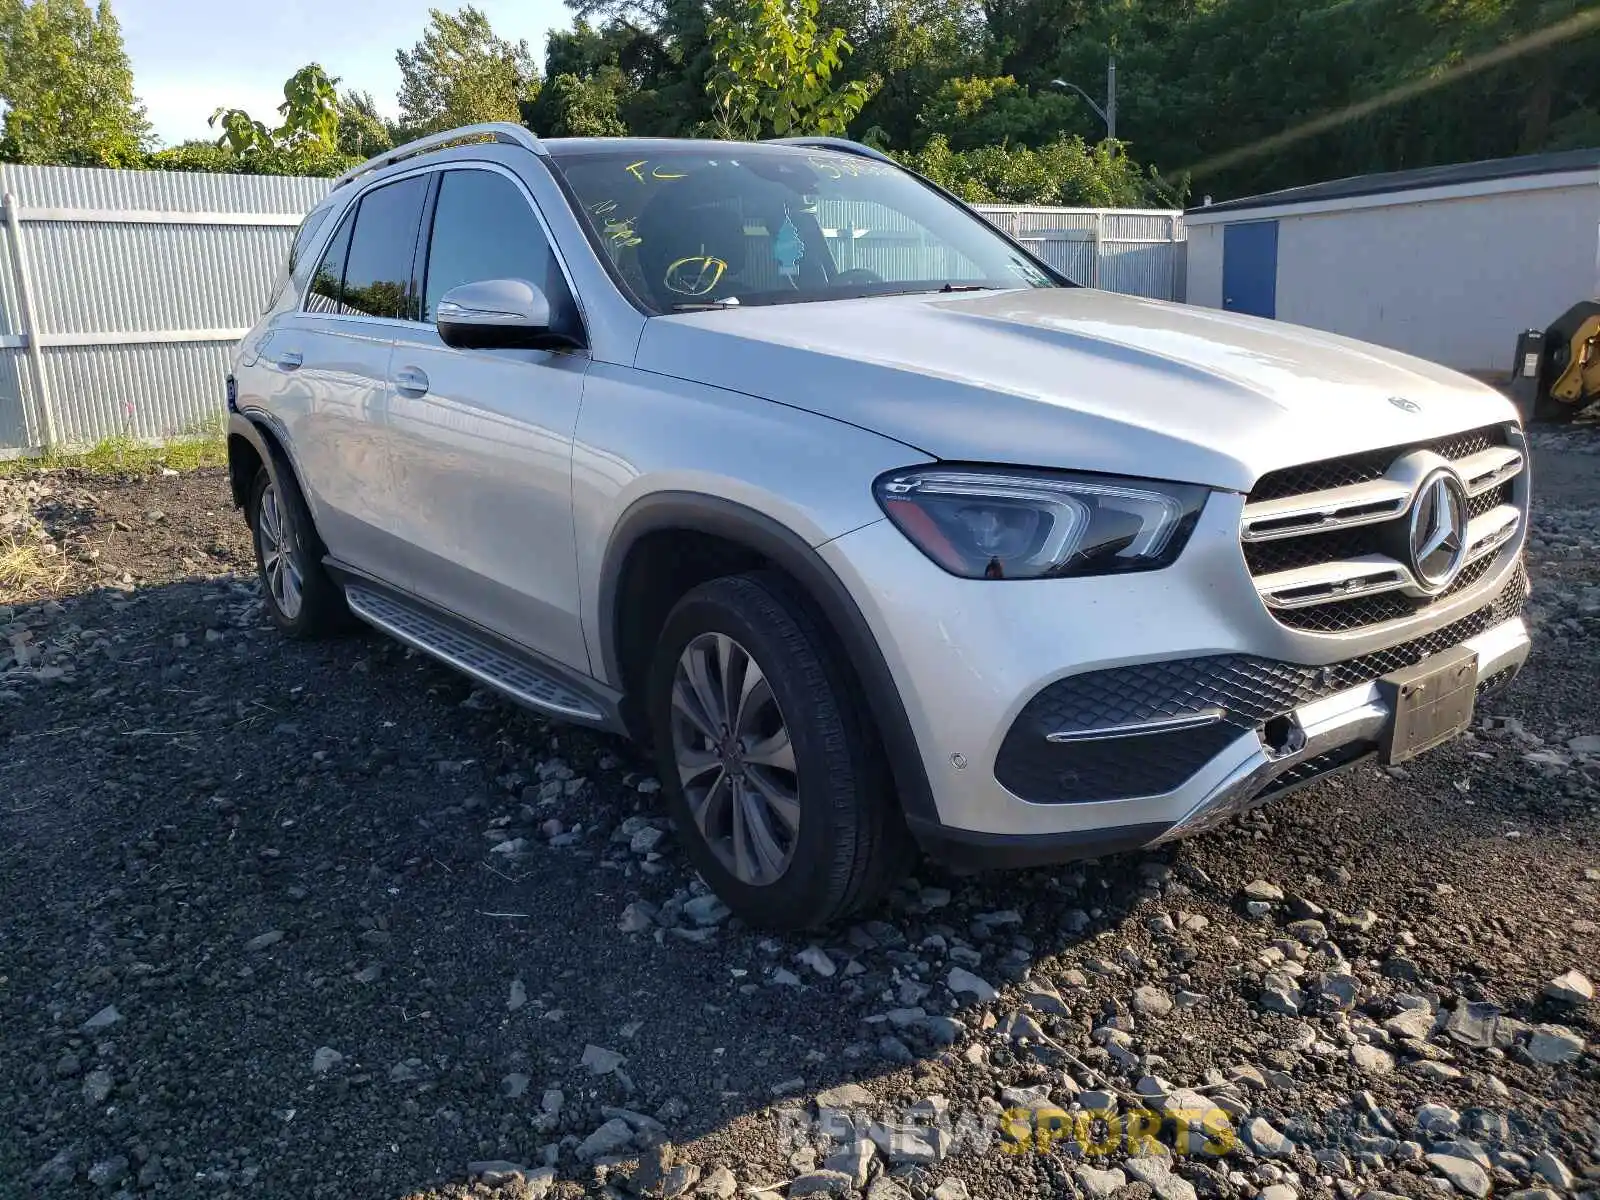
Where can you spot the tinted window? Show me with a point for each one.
(323, 294)
(377, 273)
(303, 235)
(483, 228)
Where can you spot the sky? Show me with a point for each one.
(191, 56)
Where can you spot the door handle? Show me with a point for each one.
(411, 379)
(290, 360)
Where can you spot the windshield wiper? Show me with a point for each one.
(703, 305)
(968, 287)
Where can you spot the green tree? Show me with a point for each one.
(1066, 172)
(574, 106)
(462, 73)
(773, 72)
(363, 130)
(305, 142)
(67, 86)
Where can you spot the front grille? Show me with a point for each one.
(1346, 582)
(1247, 689)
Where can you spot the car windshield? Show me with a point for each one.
(722, 224)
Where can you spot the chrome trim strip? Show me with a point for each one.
(1358, 714)
(1194, 720)
(1342, 580)
(1493, 529)
(1315, 512)
(1489, 468)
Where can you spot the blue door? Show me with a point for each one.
(1250, 268)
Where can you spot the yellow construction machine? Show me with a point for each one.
(1557, 370)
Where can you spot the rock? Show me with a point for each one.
(514, 1086)
(613, 1137)
(1435, 1072)
(109, 1172)
(919, 1145)
(518, 996)
(1260, 889)
(821, 1183)
(1588, 743)
(1046, 1000)
(1438, 1120)
(1156, 1173)
(706, 911)
(646, 840)
(817, 959)
(846, 1095)
(1339, 992)
(104, 1019)
(1371, 1059)
(1464, 1174)
(597, 1060)
(1534, 1194)
(97, 1086)
(1412, 1023)
(1267, 1140)
(951, 1189)
(945, 1031)
(325, 1059)
(1554, 1045)
(262, 941)
(1096, 1184)
(637, 917)
(1310, 931)
(1285, 1001)
(1553, 1171)
(1151, 1002)
(884, 1188)
(68, 1065)
(1472, 1024)
(720, 1184)
(1277, 1191)
(1571, 988)
(854, 1160)
(964, 983)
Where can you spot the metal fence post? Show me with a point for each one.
(30, 331)
(1099, 236)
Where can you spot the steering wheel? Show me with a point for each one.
(855, 276)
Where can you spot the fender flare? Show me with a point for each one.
(739, 523)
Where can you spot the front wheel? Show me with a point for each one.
(775, 777)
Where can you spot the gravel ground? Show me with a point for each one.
(290, 920)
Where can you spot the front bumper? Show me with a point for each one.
(1191, 649)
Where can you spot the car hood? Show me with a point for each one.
(1075, 378)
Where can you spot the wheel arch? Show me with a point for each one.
(766, 542)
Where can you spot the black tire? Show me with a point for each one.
(851, 844)
(321, 611)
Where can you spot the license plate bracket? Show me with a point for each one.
(1432, 702)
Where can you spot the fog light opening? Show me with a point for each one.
(1282, 736)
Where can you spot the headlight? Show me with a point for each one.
(1002, 523)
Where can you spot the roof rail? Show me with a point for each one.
(489, 131)
(842, 145)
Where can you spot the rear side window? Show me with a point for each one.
(323, 294)
(303, 235)
(377, 269)
(483, 228)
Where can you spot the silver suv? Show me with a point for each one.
(874, 526)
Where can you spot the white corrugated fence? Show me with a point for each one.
(122, 293)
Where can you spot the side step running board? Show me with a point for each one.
(491, 666)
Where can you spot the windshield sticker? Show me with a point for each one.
(660, 171)
(788, 249)
(696, 275)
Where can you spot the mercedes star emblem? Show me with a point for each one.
(1438, 534)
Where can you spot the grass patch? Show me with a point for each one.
(124, 455)
(25, 569)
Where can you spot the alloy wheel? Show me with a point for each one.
(734, 758)
(278, 563)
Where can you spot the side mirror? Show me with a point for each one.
(496, 314)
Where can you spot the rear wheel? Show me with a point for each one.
(302, 598)
(775, 777)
